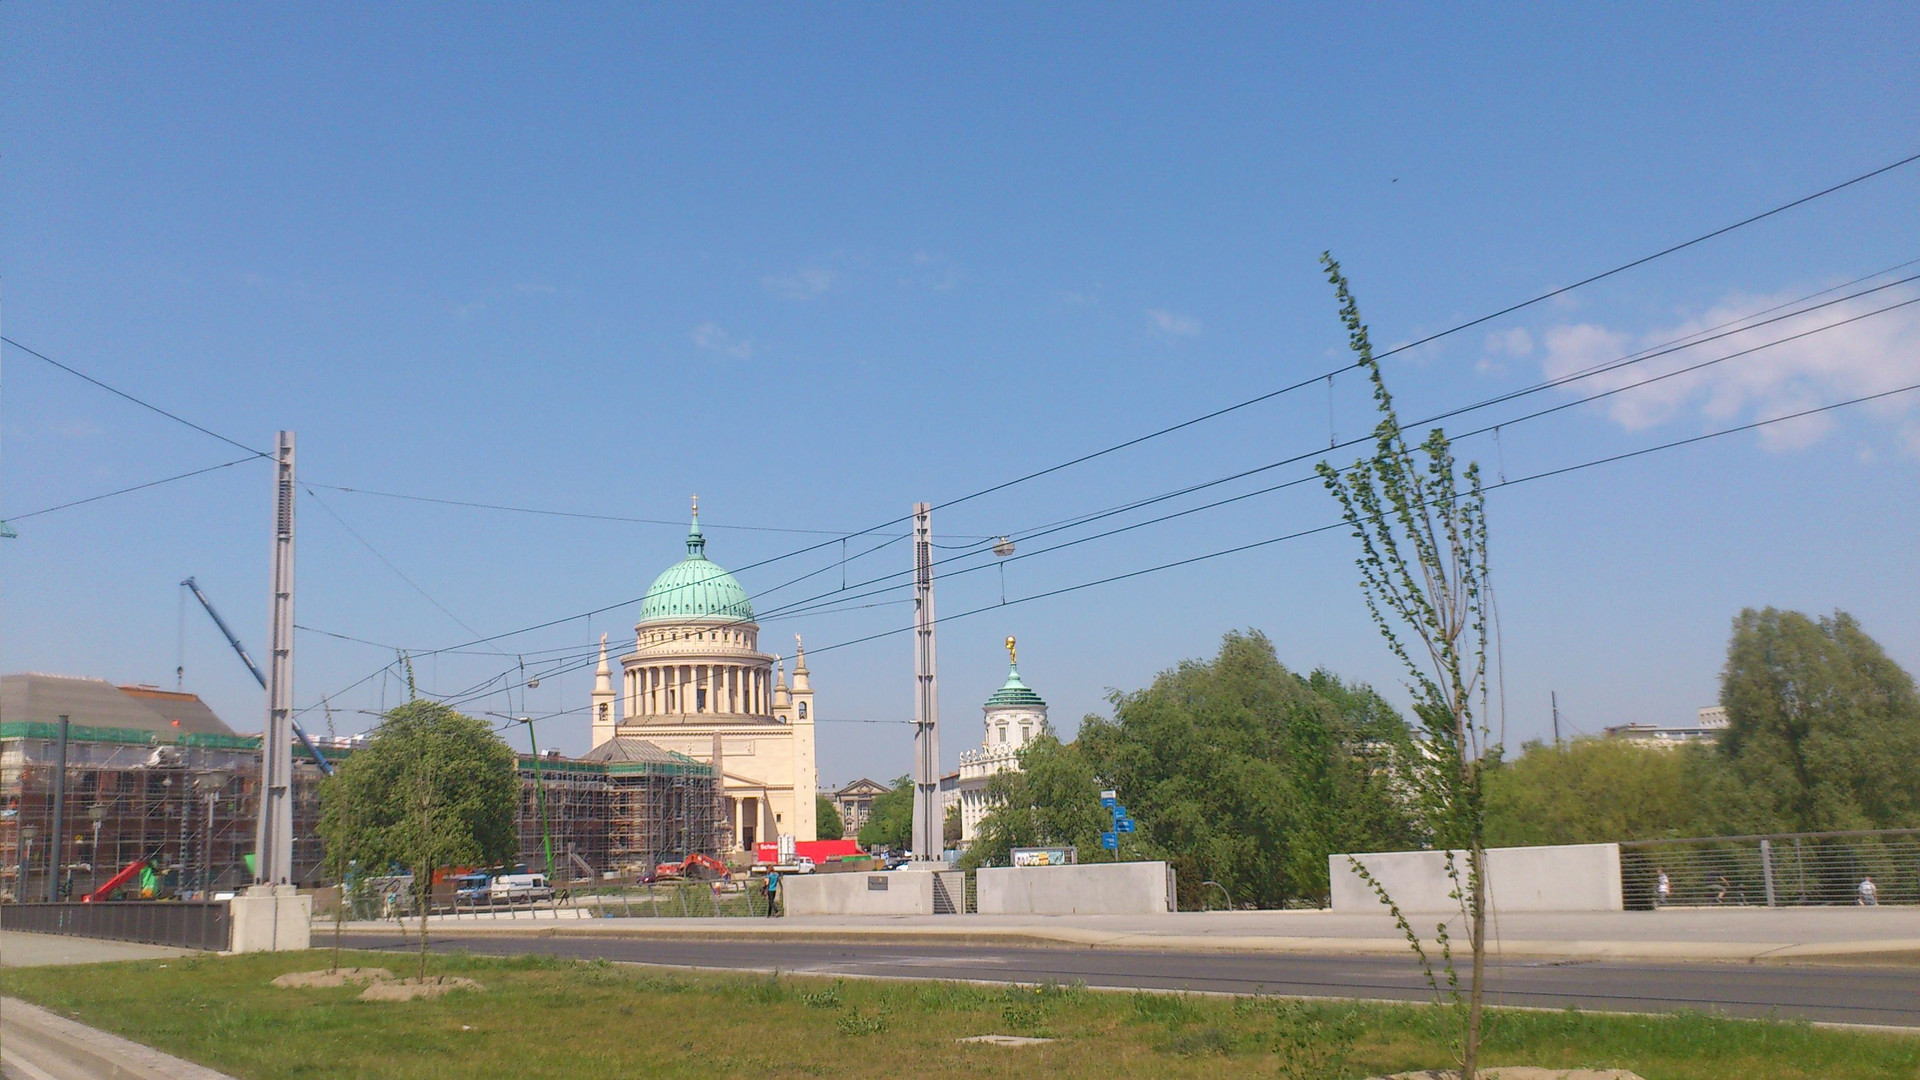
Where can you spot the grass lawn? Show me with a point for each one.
(542, 1017)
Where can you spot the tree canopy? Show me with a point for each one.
(890, 820)
(1236, 769)
(1823, 729)
(433, 788)
(826, 817)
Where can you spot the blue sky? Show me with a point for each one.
(817, 263)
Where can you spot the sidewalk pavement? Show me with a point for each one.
(1822, 935)
(21, 949)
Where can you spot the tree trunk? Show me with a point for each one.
(1477, 941)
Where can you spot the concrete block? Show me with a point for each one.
(270, 918)
(898, 892)
(1129, 888)
(1564, 877)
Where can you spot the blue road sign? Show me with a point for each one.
(1109, 802)
(1110, 841)
(1125, 824)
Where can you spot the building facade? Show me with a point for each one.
(1013, 717)
(855, 803)
(697, 684)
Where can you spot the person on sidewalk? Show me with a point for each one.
(1869, 892)
(1662, 890)
(773, 891)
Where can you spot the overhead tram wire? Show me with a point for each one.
(1215, 414)
(401, 574)
(1644, 355)
(1456, 328)
(129, 490)
(824, 602)
(148, 405)
(1610, 459)
(1298, 534)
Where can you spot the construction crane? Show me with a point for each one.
(193, 587)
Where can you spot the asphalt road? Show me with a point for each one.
(1853, 995)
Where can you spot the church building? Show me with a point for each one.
(696, 683)
(1014, 715)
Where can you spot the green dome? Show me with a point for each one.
(695, 588)
(1015, 692)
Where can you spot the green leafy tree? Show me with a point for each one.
(950, 826)
(1593, 791)
(1823, 729)
(1053, 798)
(1421, 523)
(890, 819)
(433, 788)
(826, 818)
(1245, 773)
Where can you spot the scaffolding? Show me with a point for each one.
(187, 805)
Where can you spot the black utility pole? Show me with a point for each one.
(59, 805)
(1554, 696)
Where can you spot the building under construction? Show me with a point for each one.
(154, 775)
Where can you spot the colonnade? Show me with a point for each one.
(698, 690)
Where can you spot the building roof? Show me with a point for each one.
(695, 588)
(862, 786)
(97, 703)
(1014, 693)
(626, 748)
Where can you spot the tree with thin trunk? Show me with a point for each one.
(433, 789)
(1421, 523)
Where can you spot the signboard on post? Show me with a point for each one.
(1110, 841)
(1058, 855)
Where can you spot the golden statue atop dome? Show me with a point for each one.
(1012, 657)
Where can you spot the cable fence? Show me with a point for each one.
(1876, 866)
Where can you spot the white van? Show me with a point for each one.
(510, 888)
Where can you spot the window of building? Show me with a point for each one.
(1026, 732)
(700, 699)
(1003, 733)
(803, 710)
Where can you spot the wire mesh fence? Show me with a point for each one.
(1880, 866)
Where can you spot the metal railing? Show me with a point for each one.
(194, 924)
(1773, 870)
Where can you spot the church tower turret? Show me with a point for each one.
(602, 701)
(805, 770)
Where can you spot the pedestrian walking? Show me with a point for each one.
(1869, 892)
(773, 890)
(1663, 890)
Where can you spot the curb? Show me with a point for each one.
(44, 1045)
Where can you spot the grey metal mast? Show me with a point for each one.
(273, 840)
(926, 702)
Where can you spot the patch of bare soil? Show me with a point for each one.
(308, 980)
(1522, 1072)
(432, 986)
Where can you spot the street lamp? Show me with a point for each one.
(98, 812)
(209, 783)
(27, 833)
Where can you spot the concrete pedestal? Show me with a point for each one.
(270, 918)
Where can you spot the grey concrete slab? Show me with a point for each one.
(21, 949)
(37, 1044)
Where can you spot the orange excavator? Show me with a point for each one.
(685, 867)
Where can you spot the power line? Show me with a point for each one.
(134, 488)
(1610, 459)
(1562, 290)
(116, 391)
(401, 574)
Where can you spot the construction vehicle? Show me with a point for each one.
(131, 871)
(193, 587)
(668, 871)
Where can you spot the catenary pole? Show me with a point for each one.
(926, 700)
(273, 839)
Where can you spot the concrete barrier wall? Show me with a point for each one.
(895, 893)
(1568, 877)
(1133, 888)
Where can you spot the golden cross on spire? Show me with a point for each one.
(696, 506)
(1012, 657)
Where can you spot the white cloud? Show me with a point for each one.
(807, 283)
(711, 337)
(1860, 358)
(1174, 324)
(1514, 342)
